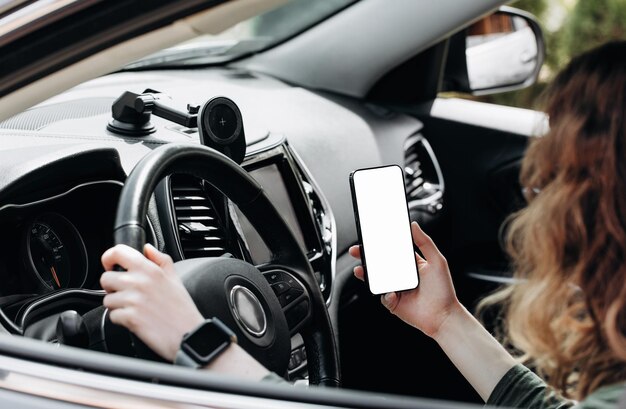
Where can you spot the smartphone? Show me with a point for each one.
(384, 228)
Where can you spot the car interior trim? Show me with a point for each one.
(60, 195)
(332, 240)
(163, 192)
(80, 387)
(520, 121)
(438, 195)
(23, 320)
(31, 377)
(151, 230)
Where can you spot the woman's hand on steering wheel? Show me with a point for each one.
(149, 298)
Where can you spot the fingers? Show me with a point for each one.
(419, 258)
(123, 299)
(124, 256)
(112, 281)
(390, 301)
(125, 317)
(160, 259)
(418, 236)
(359, 272)
(426, 245)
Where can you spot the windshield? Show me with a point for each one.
(253, 35)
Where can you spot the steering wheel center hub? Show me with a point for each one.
(248, 310)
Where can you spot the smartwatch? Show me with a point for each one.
(203, 344)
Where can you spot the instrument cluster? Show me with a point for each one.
(56, 242)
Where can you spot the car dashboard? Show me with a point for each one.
(63, 172)
(54, 265)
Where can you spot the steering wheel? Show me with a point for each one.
(252, 303)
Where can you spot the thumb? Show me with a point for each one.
(160, 259)
(390, 301)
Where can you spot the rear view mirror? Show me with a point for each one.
(501, 52)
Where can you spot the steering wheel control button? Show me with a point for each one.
(280, 287)
(248, 310)
(289, 296)
(273, 276)
(293, 283)
(297, 313)
(295, 360)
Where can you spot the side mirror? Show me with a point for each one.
(501, 52)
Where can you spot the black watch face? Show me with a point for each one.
(206, 340)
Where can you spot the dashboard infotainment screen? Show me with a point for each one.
(270, 178)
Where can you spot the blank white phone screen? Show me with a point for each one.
(385, 229)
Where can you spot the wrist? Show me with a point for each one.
(205, 343)
(177, 336)
(453, 318)
(237, 362)
(474, 351)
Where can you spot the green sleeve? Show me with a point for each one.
(521, 388)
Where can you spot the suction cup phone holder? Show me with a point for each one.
(219, 120)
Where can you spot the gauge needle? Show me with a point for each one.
(54, 275)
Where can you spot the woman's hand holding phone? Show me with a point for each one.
(434, 309)
(428, 306)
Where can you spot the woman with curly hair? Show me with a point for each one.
(565, 314)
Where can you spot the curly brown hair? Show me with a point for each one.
(567, 310)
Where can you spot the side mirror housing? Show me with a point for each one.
(501, 52)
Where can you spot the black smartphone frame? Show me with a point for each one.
(357, 219)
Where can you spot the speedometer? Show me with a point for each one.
(56, 254)
(49, 256)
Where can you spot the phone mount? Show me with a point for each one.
(219, 120)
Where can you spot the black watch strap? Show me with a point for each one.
(204, 343)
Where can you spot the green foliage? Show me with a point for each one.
(534, 7)
(593, 22)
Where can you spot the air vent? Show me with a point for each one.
(424, 182)
(199, 228)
